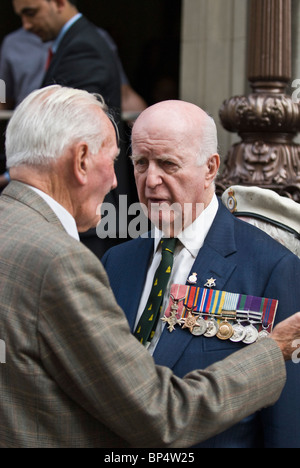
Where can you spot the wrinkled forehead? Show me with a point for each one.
(171, 116)
(165, 127)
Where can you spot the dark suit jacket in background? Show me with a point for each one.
(85, 61)
(74, 375)
(243, 260)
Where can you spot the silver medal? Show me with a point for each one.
(263, 334)
(251, 334)
(239, 333)
(200, 327)
(212, 328)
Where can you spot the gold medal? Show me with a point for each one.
(225, 331)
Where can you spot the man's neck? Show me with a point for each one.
(69, 13)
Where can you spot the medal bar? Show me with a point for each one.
(228, 316)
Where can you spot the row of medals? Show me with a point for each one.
(224, 330)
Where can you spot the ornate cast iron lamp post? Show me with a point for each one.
(267, 120)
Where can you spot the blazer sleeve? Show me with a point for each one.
(86, 347)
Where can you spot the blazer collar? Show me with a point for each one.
(23, 194)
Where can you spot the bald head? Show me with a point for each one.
(174, 151)
(186, 124)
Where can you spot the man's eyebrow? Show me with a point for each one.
(28, 10)
(117, 155)
(135, 157)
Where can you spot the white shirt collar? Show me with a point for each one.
(63, 215)
(193, 236)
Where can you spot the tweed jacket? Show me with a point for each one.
(75, 376)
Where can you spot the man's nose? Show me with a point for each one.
(26, 24)
(153, 177)
(115, 182)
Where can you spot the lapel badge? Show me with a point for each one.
(211, 283)
(193, 279)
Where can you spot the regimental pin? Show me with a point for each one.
(193, 279)
(211, 283)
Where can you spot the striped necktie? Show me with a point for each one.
(146, 327)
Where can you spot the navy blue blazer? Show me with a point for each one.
(243, 260)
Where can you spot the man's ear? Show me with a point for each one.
(81, 162)
(213, 166)
(61, 3)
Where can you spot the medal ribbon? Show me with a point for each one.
(190, 300)
(260, 312)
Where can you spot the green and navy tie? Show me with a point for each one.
(145, 329)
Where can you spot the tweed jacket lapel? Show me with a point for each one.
(215, 260)
(22, 193)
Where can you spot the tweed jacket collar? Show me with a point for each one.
(23, 194)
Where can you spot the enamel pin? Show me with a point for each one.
(211, 283)
(193, 279)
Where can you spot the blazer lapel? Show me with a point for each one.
(75, 29)
(215, 260)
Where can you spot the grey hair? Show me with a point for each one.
(48, 121)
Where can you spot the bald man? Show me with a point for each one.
(175, 156)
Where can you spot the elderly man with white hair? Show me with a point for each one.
(175, 156)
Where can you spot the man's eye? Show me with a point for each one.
(170, 166)
(140, 165)
(30, 13)
(140, 162)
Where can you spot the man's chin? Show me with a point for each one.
(168, 225)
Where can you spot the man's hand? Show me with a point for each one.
(286, 333)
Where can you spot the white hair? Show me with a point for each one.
(48, 121)
(208, 141)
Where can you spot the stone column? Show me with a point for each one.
(268, 119)
(213, 56)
